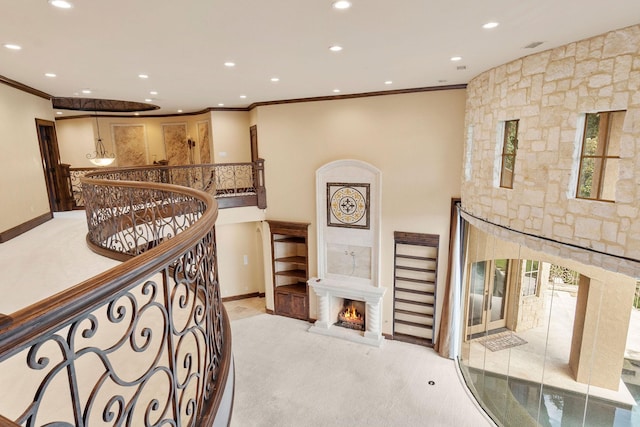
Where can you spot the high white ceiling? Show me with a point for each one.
(103, 45)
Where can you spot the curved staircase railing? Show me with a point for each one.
(145, 343)
(232, 184)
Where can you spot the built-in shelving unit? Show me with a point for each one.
(415, 281)
(289, 254)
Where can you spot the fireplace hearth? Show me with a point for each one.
(351, 317)
(367, 300)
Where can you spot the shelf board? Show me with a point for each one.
(415, 291)
(424, 282)
(296, 288)
(290, 239)
(414, 324)
(300, 274)
(408, 301)
(421, 258)
(293, 259)
(413, 313)
(413, 340)
(422, 270)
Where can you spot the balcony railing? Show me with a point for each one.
(145, 343)
(232, 184)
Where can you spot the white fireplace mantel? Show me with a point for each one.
(327, 289)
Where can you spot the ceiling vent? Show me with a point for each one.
(533, 45)
(461, 67)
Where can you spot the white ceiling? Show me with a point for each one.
(182, 45)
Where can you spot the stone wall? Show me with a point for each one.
(549, 92)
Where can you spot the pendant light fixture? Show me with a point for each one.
(100, 157)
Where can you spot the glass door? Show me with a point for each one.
(487, 296)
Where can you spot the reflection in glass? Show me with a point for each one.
(568, 326)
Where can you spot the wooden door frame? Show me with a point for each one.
(253, 138)
(57, 183)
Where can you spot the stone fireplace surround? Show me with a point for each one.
(348, 256)
(330, 301)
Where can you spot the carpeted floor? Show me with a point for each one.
(287, 376)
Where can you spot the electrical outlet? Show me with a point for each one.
(246, 260)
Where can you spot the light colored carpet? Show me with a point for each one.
(46, 260)
(287, 376)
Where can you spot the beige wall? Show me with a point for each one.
(76, 137)
(23, 189)
(240, 258)
(549, 92)
(231, 136)
(414, 139)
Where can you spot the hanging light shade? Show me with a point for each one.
(100, 157)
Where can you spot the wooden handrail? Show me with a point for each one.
(177, 276)
(218, 179)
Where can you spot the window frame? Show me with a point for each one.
(529, 273)
(503, 181)
(604, 134)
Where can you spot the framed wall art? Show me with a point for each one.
(348, 205)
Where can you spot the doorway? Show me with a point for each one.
(57, 183)
(487, 296)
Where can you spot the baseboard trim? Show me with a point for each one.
(243, 296)
(269, 311)
(24, 227)
(388, 336)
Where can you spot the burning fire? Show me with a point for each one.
(350, 313)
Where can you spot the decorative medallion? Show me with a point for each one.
(348, 205)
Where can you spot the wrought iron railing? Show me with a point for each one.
(232, 184)
(563, 275)
(144, 343)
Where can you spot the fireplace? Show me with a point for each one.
(352, 315)
(367, 301)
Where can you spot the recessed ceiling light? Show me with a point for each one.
(336, 91)
(243, 96)
(221, 105)
(275, 79)
(148, 100)
(86, 91)
(153, 92)
(490, 25)
(388, 82)
(58, 112)
(12, 46)
(61, 4)
(179, 111)
(143, 76)
(136, 114)
(50, 74)
(341, 4)
(335, 48)
(229, 64)
(456, 58)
